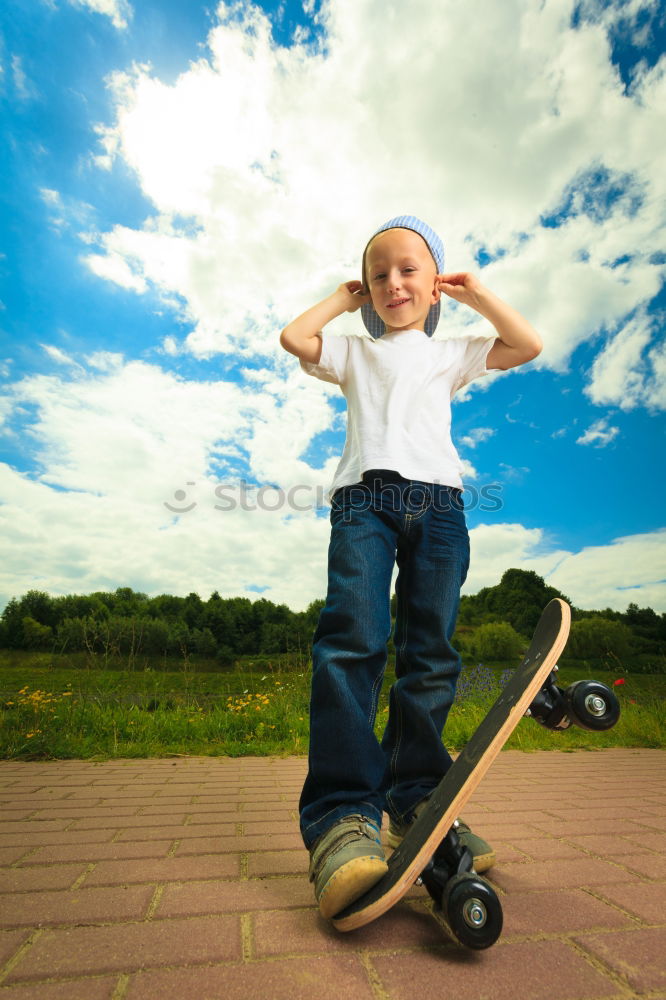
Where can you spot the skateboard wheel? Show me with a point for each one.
(473, 911)
(592, 705)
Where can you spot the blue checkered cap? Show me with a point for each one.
(373, 323)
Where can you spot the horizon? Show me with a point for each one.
(262, 597)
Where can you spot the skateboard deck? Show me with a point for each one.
(409, 860)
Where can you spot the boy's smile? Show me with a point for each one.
(400, 273)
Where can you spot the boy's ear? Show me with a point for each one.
(436, 291)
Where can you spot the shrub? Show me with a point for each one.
(496, 641)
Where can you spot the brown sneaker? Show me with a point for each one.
(345, 862)
(482, 852)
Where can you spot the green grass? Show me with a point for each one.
(256, 708)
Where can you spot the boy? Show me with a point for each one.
(396, 497)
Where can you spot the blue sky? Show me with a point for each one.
(181, 179)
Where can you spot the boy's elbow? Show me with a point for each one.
(285, 340)
(536, 347)
(531, 352)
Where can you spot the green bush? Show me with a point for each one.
(496, 641)
(597, 638)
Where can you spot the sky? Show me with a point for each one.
(180, 180)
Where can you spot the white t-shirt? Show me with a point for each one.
(398, 390)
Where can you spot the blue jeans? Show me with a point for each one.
(374, 524)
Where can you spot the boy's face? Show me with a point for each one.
(400, 275)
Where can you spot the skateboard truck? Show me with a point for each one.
(469, 904)
(450, 859)
(549, 707)
(586, 704)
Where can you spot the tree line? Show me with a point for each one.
(128, 623)
(495, 624)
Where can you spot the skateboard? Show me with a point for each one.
(431, 852)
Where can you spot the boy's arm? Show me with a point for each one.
(518, 341)
(302, 336)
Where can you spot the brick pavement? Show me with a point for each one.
(174, 878)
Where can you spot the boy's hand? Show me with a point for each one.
(462, 286)
(302, 336)
(517, 340)
(354, 295)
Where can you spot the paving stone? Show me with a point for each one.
(558, 912)
(84, 906)
(559, 874)
(324, 978)
(175, 832)
(576, 828)
(507, 830)
(650, 865)
(97, 821)
(39, 878)
(546, 848)
(100, 852)
(14, 791)
(653, 822)
(614, 811)
(212, 845)
(36, 838)
(645, 900)
(234, 896)
(653, 841)
(279, 862)
(10, 942)
(133, 804)
(637, 956)
(129, 947)
(608, 846)
(204, 866)
(291, 803)
(198, 812)
(102, 988)
(534, 970)
(305, 931)
(75, 810)
(8, 855)
(267, 828)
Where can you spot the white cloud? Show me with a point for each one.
(120, 11)
(628, 570)
(130, 428)
(626, 373)
(66, 212)
(116, 442)
(495, 548)
(467, 470)
(513, 473)
(250, 146)
(476, 436)
(50, 197)
(23, 87)
(170, 346)
(116, 268)
(59, 356)
(599, 434)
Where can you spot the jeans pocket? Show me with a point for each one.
(347, 500)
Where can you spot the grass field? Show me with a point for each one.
(255, 708)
